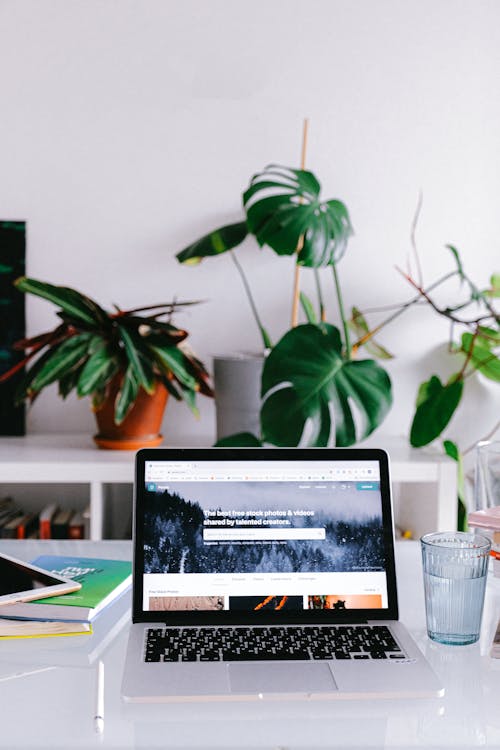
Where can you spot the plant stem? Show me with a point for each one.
(264, 335)
(486, 437)
(296, 287)
(413, 239)
(447, 312)
(322, 311)
(468, 356)
(347, 339)
(401, 309)
(300, 244)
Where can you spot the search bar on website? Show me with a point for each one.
(264, 535)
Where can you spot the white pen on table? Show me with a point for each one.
(99, 705)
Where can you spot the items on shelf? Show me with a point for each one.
(487, 521)
(79, 651)
(41, 628)
(52, 522)
(46, 516)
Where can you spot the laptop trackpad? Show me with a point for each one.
(271, 677)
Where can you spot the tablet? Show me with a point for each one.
(21, 582)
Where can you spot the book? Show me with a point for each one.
(489, 518)
(86, 522)
(7, 515)
(102, 581)
(60, 524)
(27, 526)
(41, 628)
(78, 651)
(9, 529)
(76, 528)
(5, 502)
(45, 520)
(488, 523)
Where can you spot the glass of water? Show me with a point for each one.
(455, 566)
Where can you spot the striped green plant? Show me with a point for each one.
(90, 347)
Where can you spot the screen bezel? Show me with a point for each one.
(226, 617)
(59, 584)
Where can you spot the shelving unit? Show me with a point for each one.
(73, 459)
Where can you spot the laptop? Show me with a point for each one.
(267, 574)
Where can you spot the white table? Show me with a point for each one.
(73, 459)
(54, 708)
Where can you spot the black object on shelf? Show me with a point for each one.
(12, 322)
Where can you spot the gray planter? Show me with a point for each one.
(237, 379)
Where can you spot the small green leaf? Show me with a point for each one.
(481, 357)
(140, 364)
(215, 243)
(360, 328)
(72, 302)
(64, 358)
(489, 337)
(68, 382)
(458, 260)
(24, 389)
(487, 363)
(171, 360)
(97, 371)
(436, 404)
(5, 269)
(239, 440)
(127, 395)
(451, 450)
(494, 290)
(189, 397)
(308, 308)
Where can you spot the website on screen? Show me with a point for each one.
(266, 536)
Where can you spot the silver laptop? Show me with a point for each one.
(266, 574)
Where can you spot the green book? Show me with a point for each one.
(102, 581)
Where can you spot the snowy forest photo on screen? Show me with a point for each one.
(175, 519)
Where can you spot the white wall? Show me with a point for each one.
(128, 129)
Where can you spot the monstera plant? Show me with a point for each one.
(125, 360)
(313, 383)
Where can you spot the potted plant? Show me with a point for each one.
(127, 361)
(313, 372)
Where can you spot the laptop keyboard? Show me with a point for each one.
(273, 643)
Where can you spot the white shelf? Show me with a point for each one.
(73, 459)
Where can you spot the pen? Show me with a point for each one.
(99, 705)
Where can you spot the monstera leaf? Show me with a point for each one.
(284, 211)
(307, 379)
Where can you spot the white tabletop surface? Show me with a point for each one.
(44, 702)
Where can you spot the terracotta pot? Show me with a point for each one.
(141, 426)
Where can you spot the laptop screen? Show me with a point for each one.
(239, 535)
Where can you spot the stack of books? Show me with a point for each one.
(487, 521)
(103, 583)
(52, 522)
